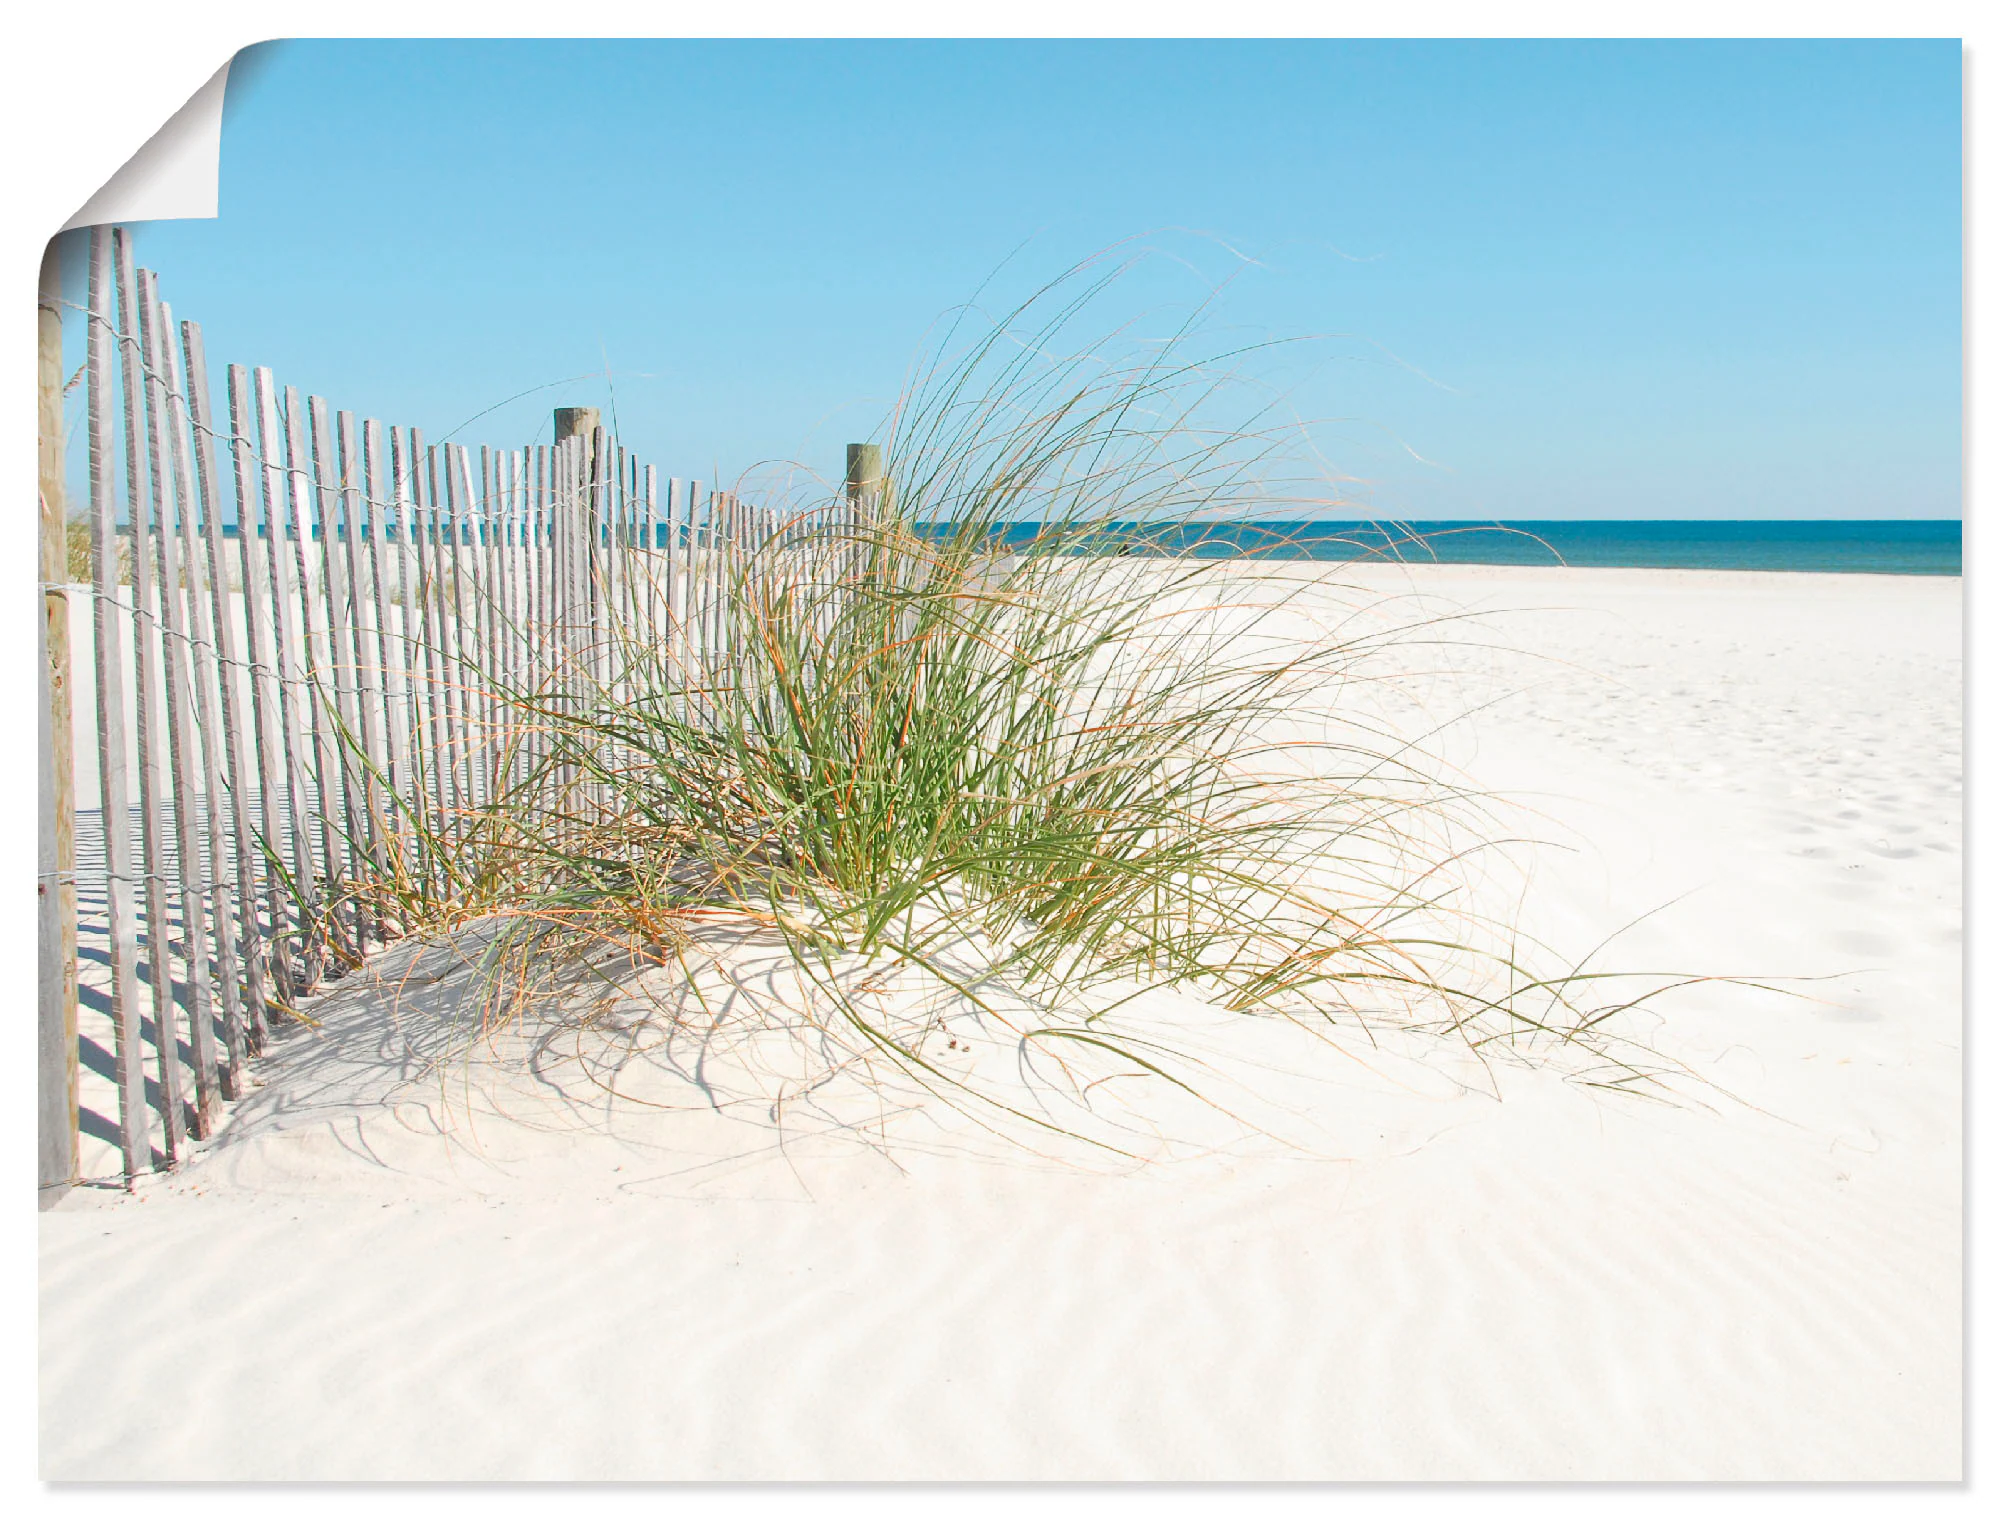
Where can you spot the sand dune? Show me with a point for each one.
(1388, 1261)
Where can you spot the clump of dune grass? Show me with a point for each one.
(973, 726)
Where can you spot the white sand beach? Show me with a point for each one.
(1393, 1262)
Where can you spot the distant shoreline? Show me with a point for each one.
(1908, 547)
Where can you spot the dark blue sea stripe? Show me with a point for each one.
(1931, 547)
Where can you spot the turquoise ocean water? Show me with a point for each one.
(1846, 547)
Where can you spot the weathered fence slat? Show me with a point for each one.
(653, 560)
(548, 593)
(500, 556)
(472, 626)
(561, 599)
(618, 559)
(239, 937)
(375, 488)
(430, 634)
(456, 636)
(108, 620)
(266, 699)
(505, 621)
(487, 602)
(354, 515)
(57, 1041)
(292, 645)
(183, 736)
(527, 661)
(478, 500)
(372, 759)
(676, 574)
(440, 604)
(718, 592)
(318, 703)
(596, 466)
(410, 647)
(341, 526)
(141, 486)
(204, 681)
(346, 807)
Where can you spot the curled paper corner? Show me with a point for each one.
(177, 175)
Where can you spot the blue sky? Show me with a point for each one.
(1649, 279)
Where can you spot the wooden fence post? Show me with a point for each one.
(864, 472)
(575, 422)
(56, 1045)
(864, 495)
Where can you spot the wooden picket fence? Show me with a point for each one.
(307, 634)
